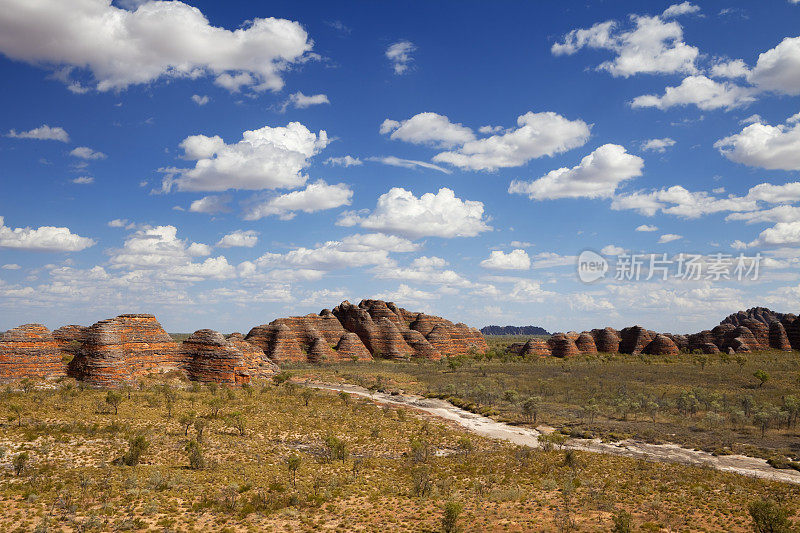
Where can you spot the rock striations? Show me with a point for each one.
(209, 357)
(746, 331)
(371, 329)
(120, 350)
(30, 351)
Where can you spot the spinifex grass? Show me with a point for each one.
(329, 465)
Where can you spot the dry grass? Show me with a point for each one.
(397, 474)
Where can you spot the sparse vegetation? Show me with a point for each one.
(333, 466)
(724, 406)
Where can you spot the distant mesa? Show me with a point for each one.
(513, 330)
(121, 350)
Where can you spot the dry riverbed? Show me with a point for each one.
(486, 427)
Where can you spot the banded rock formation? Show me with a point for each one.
(70, 338)
(210, 357)
(381, 328)
(30, 351)
(759, 314)
(562, 345)
(119, 350)
(661, 345)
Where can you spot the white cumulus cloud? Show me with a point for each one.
(431, 215)
(240, 238)
(669, 237)
(316, 196)
(266, 158)
(302, 101)
(513, 260)
(765, 146)
(597, 176)
(658, 145)
(44, 238)
(428, 128)
(652, 46)
(159, 39)
(700, 91)
(84, 152)
(211, 204)
(42, 133)
(344, 161)
(537, 135)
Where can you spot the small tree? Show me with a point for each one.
(136, 448)
(215, 404)
(169, 399)
(237, 421)
(769, 517)
(622, 522)
(19, 462)
(293, 463)
(761, 376)
(281, 377)
(762, 418)
(530, 408)
(336, 448)
(199, 426)
(186, 420)
(344, 397)
(114, 399)
(18, 411)
(450, 518)
(194, 452)
(306, 395)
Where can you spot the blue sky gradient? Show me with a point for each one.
(473, 64)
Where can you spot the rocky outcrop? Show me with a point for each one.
(383, 329)
(119, 350)
(70, 338)
(535, 347)
(760, 332)
(210, 357)
(30, 351)
(606, 340)
(759, 314)
(420, 345)
(792, 326)
(320, 351)
(634, 339)
(585, 343)
(777, 337)
(440, 339)
(661, 345)
(351, 348)
(562, 346)
(681, 341)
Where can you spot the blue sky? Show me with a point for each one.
(223, 164)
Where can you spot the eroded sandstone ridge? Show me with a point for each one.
(209, 357)
(30, 351)
(371, 329)
(746, 331)
(119, 350)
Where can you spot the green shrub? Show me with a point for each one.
(769, 517)
(136, 448)
(450, 518)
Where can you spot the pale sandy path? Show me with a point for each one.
(486, 427)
